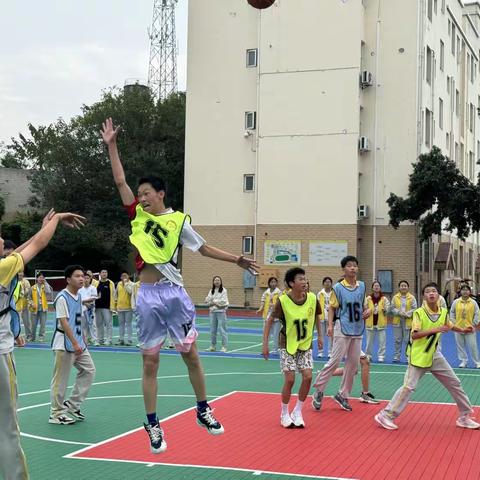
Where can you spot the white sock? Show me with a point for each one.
(298, 406)
(284, 408)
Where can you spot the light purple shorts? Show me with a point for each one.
(165, 308)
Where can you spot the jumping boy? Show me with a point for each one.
(163, 305)
(298, 312)
(347, 303)
(428, 324)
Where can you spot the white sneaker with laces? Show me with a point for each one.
(385, 422)
(61, 420)
(462, 365)
(297, 419)
(286, 421)
(466, 421)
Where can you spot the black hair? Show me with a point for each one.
(124, 271)
(327, 278)
(462, 287)
(9, 245)
(376, 281)
(270, 279)
(72, 268)
(348, 258)
(292, 273)
(39, 274)
(220, 288)
(429, 285)
(157, 183)
(404, 281)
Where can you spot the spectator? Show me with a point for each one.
(217, 300)
(88, 294)
(376, 323)
(104, 305)
(124, 308)
(268, 301)
(40, 294)
(324, 299)
(21, 295)
(94, 280)
(464, 314)
(403, 306)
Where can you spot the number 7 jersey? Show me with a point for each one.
(299, 322)
(349, 311)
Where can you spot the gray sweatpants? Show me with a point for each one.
(401, 334)
(443, 372)
(13, 465)
(61, 371)
(350, 348)
(104, 321)
(125, 324)
(36, 318)
(382, 342)
(25, 314)
(468, 340)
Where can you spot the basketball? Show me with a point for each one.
(261, 4)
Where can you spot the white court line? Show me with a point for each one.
(246, 348)
(54, 440)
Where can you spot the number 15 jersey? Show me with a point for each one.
(348, 302)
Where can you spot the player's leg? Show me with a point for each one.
(444, 373)
(12, 459)
(352, 359)
(83, 381)
(401, 398)
(61, 372)
(338, 352)
(304, 366)
(366, 396)
(288, 382)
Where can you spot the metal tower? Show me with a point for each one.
(162, 69)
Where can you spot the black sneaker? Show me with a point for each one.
(206, 419)
(343, 402)
(317, 398)
(157, 442)
(73, 411)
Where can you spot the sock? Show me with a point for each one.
(284, 408)
(152, 418)
(298, 406)
(202, 406)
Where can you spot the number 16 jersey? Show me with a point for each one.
(348, 302)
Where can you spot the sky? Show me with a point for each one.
(56, 55)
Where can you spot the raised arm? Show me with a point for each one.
(109, 135)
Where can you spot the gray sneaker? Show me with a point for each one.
(317, 398)
(343, 402)
(367, 397)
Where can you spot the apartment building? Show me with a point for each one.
(303, 118)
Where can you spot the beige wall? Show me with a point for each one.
(15, 190)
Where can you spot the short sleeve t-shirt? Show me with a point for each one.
(188, 238)
(9, 268)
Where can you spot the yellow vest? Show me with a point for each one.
(269, 300)
(20, 295)
(464, 313)
(43, 296)
(396, 300)
(124, 299)
(156, 237)
(421, 350)
(382, 318)
(94, 282)
(322, 299)
(299, 322)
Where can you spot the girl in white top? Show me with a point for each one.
(217, 300)
(268, 301)
(88, 293)
(324, 300)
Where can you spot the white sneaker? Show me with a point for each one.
(297, 419)
(286, 421)
(61, 420)
(385, 422)
(381, 359)
(462, 365)
(223, 349)
(477, 365)
(466, 422)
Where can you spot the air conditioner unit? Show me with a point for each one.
(363, 144)
(363, 211)
(366, 79)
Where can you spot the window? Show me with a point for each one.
(429, 9)
(457, 103)
(471, 166)
(449, 27)
(429, 72)
(249, 183)
(456, 154)
(454, 38)
(428, 127)
(435, 6)
(472, 117)
(443, 6)
(442, 55)
(461, 261)
(252, 55)
(473, 69)
(448, 84)
(470, 262)
(247, 245)
(478, 150)
(469, 65)
(447, 141)
(426, 256)
(440, 113)
(250, 120)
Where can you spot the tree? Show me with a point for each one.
(70, 171)
(439, 198)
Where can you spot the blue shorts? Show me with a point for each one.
(165, 308)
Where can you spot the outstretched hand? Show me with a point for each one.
(71, 220)
(109, 132)
(248, 264)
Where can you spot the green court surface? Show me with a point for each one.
(115, 404)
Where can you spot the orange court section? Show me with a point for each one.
(335, 443)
